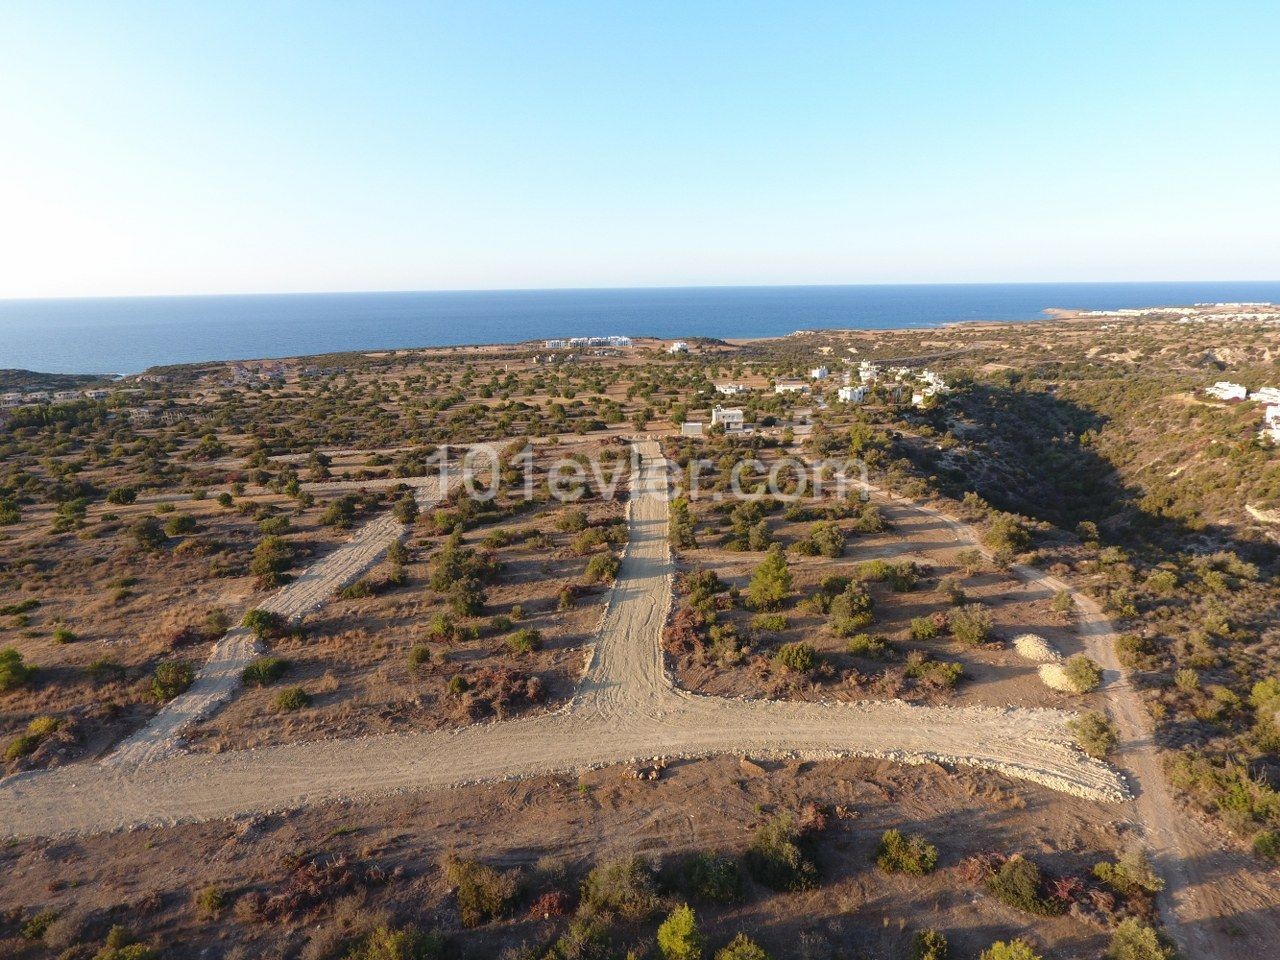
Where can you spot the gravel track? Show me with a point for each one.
(625, 708)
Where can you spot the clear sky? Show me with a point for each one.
(181, 146)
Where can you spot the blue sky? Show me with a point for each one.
(270, 146)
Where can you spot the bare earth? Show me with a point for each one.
(625, 708)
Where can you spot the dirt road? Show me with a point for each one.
(220, 676)
(626, 708)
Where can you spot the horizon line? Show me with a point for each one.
(656, 286)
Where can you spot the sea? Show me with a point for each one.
(123, 335)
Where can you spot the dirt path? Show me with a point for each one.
(219, 678)
(1217, 904)
(626, 708)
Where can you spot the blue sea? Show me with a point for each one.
(130, 334)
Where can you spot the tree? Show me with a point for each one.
(678, 936)
(263, 623)
(771, 583)
(970, 624)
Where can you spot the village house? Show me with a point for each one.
(1266, 395)
(868, 372)
(728, 417)
(1225, 390)
(790, 386)
(852, 394)
(1271, 423)
(819, 373)
(678, 347)
(691, 428)
(730, 389)
(66, 396)
(10, 400)
(97, 394)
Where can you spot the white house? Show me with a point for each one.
(97, 394)
(819, 373)
(11, 400)
(791, 386)
(868, 372)
(678, 347)
(1271, 423)
(730, 389)
(1225, 390)
(852, 394)
(556, 344)
(1266, 395)
(728, 417)
(691, 428)
(62, 396)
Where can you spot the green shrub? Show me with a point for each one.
(1018, 883)
(741, 947)
(525, 640)
(1013, 950)
(406, 943)
(771, 583)
(14, 673)
(419, 655)
(714, 878)
(21, 746)
(769, 622)
(34, 929)
(602, 568)
(624, 887)
(679, 937)
(123, 945)
(264, 671)
(874, 648)
(63, 635)
(264, 623)
(483, 893)
(1267, 844)
(171, 678)
(43, 725)
(923, 628)
(1082, 673)
(970, 624)
(929, 945)
(776, 858)
(1130, 874)
(899, 853)
(942, 674)
(796, 657)
(1134, 940)
(850, 610)
(1096, 734)
(210, 902)
(290, 699)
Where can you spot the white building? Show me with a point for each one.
(678, 347)
(1266, 395)
(11, 400)
(852, 394)
(556, 344)
(728, 417)
(63, 396)
(1271, 423)
(1225, 390)
(790, 386)
(819, 373)
(868, 372)
(691, 428)
(730, 389)
(97, 394)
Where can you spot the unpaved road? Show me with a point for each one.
(220, 676)
(626, 707)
